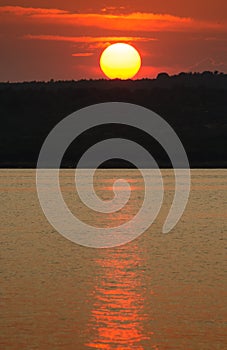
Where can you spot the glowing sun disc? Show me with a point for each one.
(120, 61)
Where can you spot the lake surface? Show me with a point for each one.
(160, 291)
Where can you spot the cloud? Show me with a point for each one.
(208, 63)
(92, 43)
(83, 54)
(149, 22)
(88, 39)
(30, 11)
(113, 9)
(213, 38)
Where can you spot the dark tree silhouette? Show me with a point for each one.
(194, 104)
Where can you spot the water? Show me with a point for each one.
(157, 292)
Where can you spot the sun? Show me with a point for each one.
(120, 61)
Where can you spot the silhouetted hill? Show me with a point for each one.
(195, 105)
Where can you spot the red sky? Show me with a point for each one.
(40, 40)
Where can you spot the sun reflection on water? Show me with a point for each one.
(118, 315)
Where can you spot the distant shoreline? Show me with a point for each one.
(163, 79)
(32, 166)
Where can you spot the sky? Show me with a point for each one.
(61, 40)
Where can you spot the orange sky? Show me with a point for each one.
(64, 39)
